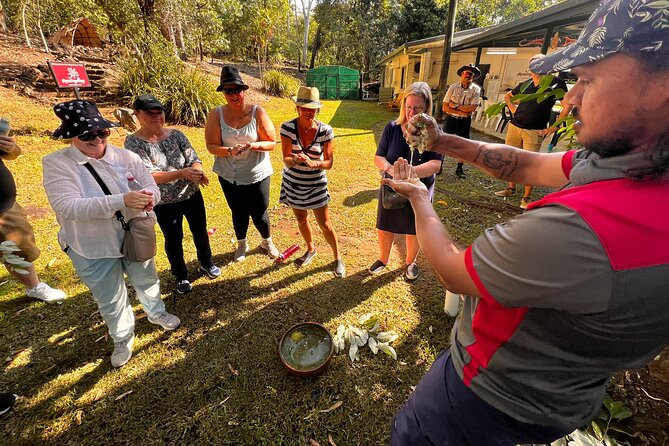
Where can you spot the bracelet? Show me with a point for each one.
(229, 151)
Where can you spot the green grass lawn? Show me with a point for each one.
(217, 379)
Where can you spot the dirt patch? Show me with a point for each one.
(37, 212)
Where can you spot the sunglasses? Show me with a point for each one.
(233, 90)
(90, 136)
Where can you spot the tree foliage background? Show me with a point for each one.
(355, 33)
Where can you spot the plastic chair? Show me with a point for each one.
(505, 117)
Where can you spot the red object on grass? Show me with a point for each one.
(287, 253)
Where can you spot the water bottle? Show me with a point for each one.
(4, 127)
(451, 303)
(287, 253)
(133, 184)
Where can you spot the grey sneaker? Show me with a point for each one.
(184, 286)
(377, 267)
(122, 351)
(268, 246)
(306, 258)
(506, 192)
(412, 271)
(211, 272)
(340, 269)
(242, 249)
(44, 292)
(166, 320)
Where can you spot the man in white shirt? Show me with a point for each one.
(460, 101)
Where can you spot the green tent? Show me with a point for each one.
(335, 82)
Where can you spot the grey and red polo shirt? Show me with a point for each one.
(571, 291)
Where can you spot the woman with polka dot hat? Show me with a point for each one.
(89, 231)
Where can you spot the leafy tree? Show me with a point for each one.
(420, 19)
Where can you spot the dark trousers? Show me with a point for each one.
(248, 200)
(170, 218)
(443, 411)
(458, 126)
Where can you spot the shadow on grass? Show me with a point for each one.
(361, 197)
(220, 375)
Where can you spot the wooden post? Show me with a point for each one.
(547, 40)
(446, 59)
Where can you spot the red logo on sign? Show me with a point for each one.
(69, 75)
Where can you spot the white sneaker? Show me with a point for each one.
(242, 249)
(166, 320)
(44, 292)
(122, 351)
(268, 246)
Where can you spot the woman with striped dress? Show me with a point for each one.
(307, 145)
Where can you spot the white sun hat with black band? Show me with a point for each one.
(617, 26)
(307, 97)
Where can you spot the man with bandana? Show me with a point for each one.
(575, 289)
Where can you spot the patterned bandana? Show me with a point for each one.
(617, 26)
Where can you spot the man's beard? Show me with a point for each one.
(607, 148)
(611, 148)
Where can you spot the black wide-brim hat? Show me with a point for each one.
(79, 117)
(471, 67)
(230, 75)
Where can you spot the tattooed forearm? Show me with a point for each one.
(499, 162)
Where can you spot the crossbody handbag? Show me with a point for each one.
(139, 236)
(391, 199)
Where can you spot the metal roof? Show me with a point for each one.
(570, 14)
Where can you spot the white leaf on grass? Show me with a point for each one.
(387, 349)
(369, 320)
(373, 345)
(353, 352)
(386, 336)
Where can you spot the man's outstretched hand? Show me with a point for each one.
(405, 182)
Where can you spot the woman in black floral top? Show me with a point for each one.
(177, 170)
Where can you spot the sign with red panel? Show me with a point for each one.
(69, 74)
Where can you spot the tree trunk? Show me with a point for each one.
(315, 48)
(446, 59)
(3, 23)
(182, 44)
(25, 30)
(39, 27)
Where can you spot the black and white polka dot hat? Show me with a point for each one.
(79, 117)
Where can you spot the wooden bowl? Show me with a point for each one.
(306, 348)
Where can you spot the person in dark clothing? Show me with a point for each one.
(528, 122)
